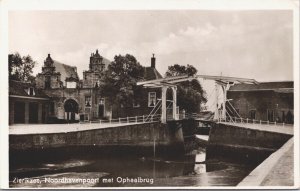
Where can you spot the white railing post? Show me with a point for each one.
(109, 120)
(135, 119)
(127, 119)
(119, 120)
(100, 121)
(275, 123)
(282, 124)
(247, 120)
(260, 122)
(268, 122)
(143, 118)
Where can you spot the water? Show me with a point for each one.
(134, 171)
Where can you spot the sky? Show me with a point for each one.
(256, 44)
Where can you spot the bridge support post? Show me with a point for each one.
(174, 91)
(164, 104)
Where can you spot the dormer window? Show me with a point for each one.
(31, 92)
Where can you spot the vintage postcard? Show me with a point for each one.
(157, 95)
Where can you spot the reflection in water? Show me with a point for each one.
(190, 170)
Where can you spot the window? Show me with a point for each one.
(52, 107)
(88, 102)
(270, 115)
(151, 99)
(48, 82)
(31, 92)
(252, 114)
(283, 116)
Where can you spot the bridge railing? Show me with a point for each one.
(252, 121)
(135, 119)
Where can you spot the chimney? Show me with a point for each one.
(48, 55)
(153, 62)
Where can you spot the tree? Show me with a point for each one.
(190, 94)
(20, 68)
(119, 80)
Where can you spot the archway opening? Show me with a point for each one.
(71, 109)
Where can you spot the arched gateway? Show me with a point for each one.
(71, 109)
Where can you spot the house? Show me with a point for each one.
(146, 100)
(27, 104)
(266, 101)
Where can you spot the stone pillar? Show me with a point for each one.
(164, 104)
(26, 112)
(224, 102)
(174, 91)
(11, 112)
(40, 113)
(216, 116)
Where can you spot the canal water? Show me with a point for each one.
(129, 171)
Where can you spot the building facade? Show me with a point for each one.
(267, 101)
(70, 99)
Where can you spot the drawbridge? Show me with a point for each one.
(221, 111)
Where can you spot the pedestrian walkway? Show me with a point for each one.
(276, 170)
(25, 129)
(282, 174)
(287, 129)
